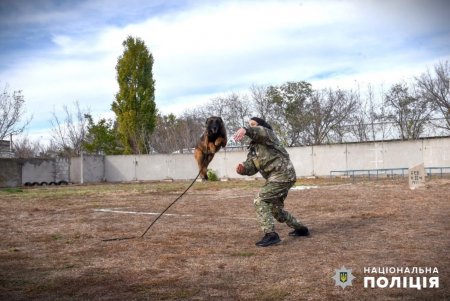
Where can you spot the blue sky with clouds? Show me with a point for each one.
(59, 52)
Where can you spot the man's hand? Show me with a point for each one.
(240, 169)
(239, 134)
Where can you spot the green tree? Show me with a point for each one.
(101, 137)
(134, 105)
(290, 106)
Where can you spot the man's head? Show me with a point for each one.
(256, 121)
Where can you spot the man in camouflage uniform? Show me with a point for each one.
(267, 156)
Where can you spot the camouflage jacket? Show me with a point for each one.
(267, 156)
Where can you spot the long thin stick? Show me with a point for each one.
(154, 221)
(170, 205)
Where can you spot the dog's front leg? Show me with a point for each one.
(212, 148)
(218, 141)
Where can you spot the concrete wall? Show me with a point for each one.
(398, 154)
(16, 172)
(10, 172)
(308, 161)
(38, 170)
(75, 169)
(123, 168)
(62, 169)
(119, 168)
(224, 164)
(93, 169)
(150, 167)
(176, 166)
(436, 152)
(45, 170)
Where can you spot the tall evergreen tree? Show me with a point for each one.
(134, 105)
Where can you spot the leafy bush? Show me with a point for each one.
(212, 175)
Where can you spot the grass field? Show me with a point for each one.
(203, 249)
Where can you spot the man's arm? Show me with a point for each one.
(246, 168)
(258, 134)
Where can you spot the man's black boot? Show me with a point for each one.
(269, 239)
(303, 231)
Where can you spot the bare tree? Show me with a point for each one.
(175, 134)
(262, 102)
(190, 129)
(359, 127)
(301, 115)
(366, 117)
(68, 134)
(215, 107)
(330, 111)
(234, 109)
(238, 111)
(434, 88)
(407, 110)
(25, 148)
(11, 112)
(163, 139)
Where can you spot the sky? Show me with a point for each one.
(61, 52)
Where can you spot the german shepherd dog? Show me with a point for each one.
(213, 138)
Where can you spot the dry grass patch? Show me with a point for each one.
(52, 249)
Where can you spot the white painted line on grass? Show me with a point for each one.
(136, 212)
(117, 210)
(303, 187)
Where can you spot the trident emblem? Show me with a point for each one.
(343, 277)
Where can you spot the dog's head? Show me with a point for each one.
(214, 125)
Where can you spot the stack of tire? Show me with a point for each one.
(46, 183)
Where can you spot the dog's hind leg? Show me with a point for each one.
(207, 159)
(202, 163)
(204, 172)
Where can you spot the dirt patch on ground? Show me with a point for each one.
(52, 249)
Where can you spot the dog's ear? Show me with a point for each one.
(207, 120)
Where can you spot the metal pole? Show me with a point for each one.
(81, 168)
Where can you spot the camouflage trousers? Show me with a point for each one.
(269, 204)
